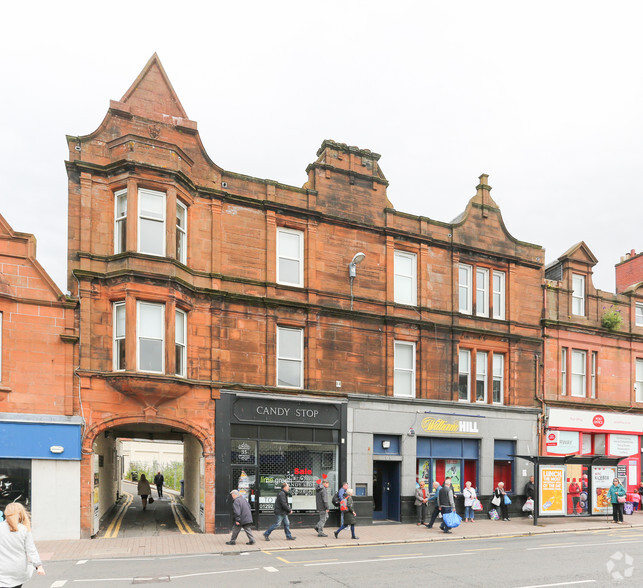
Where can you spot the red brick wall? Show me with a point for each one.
(629, 272)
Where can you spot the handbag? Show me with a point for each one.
(495, 501)
(507, 499)
(493, 515)
(452, 519)
(621, 499)
(477, 505)
(150, 500)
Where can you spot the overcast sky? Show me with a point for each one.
(545, 97)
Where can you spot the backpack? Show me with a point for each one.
(335, 499)
(343, 505)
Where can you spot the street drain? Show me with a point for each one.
(150, 580)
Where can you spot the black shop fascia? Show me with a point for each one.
(264, 440)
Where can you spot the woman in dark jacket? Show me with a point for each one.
(500, 493)
(350, 516)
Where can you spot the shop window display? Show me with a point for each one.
(15, 482)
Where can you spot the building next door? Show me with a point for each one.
(386, 490)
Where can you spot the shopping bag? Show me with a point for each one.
(529, 505)
(628, 508)
(495, 501)
(477, 505)
(451, 519)
(507, 499)
(493, 515)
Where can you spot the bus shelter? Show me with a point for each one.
(573, 485)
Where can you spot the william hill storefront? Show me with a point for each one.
(263, 441)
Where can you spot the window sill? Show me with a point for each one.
(4, 389)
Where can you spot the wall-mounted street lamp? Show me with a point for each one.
(352, 270)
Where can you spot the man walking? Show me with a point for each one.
(436, 505)
(242, 518)
(158, 480)
(282, 510)
(446, 502)
(322, 507)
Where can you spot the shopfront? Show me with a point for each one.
(432, 441)
(263, 441)
(585, 433)
(40, 467)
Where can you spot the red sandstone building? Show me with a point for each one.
(284, 333)
(594, 370)
(40, 428)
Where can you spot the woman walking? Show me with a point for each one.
(616, 496)
(144, 490)
(350, 516)
(18, 554)
(500, 493)
(470, 496)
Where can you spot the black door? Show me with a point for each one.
(386, 490)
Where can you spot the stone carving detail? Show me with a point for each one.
(155, 131)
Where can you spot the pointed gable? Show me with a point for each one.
(152, 91)
(579, 253)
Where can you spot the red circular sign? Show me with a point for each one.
(552, 436)
(598, 420)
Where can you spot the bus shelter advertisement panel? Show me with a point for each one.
(552, 490)
(602, 477)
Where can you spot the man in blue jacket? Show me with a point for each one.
(242, 518)
(434, 501)
(282, 510)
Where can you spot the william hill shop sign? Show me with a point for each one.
(441, 425)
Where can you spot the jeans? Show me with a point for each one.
(343, 527)
(468, 512)
(434, 515)
(280, 518)
(445, 510)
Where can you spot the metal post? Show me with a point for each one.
(536, 490)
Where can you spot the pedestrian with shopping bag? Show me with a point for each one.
(350, 516)
(470, 496)
(501, 500)
(446, 502)
(617, 496)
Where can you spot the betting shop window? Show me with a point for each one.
(120, 221)
(290, 257)
(151, 222)
(404, 376)
(453, 458)
(119, 337)
(503, 464)
(405, 279)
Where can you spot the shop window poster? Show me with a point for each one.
(602, 477)
(552, 490)
(15, 482)
(424, 470)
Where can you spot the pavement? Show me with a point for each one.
(306, 538)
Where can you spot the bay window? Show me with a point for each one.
(181, 232)
(150, 337)
(151, 222)
(120, 221)
(118, 354)
(180, 338)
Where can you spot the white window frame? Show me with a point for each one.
(284, 255)
(403, 370)
(638, 314)
(465, 289)
(594, 368)
(482, 291)
(140, 303)
(402, 278)
(120, 223)
(498, 301)
(583, 374)
(142, 191)
(481, 374)
(498, 376)
(638, 386)
(578, 295)
(181, 233)
(464, 353)
(563, 371)
(299, 359)
(116, 337)
(181, 346)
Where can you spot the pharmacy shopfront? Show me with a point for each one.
(396, 443)
(264, 440)
(582, 488)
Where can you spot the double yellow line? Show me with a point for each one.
(115, 526)
(181, 523)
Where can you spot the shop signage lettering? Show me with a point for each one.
(303, 472)
(286, 413)
(431, 424)
(598, 420)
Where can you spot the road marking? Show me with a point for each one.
(562, 546)
(560, 584)
(485, 549)
(58, 584)
(193, 555)
(271, 569)
(399, 555)
(284, 560)
(177, 513)
(130, 579)
(80, 562)
(358, 561)
(115, 526)
(313, 561)
(555, 544)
